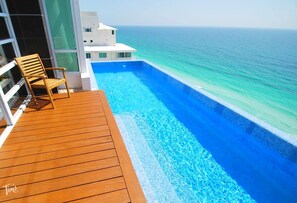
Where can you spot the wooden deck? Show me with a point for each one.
(72, 153)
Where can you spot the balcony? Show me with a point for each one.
(72, 153)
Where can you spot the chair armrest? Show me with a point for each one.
(62, 69)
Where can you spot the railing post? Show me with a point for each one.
(5, 108)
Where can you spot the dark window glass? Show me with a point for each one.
(6, 56)
(88, 55)
(102, 55)
(8, 79)
(4, 34)
(127, 54)
(121, 55)
(16, 101)
(23, 7)
(33, 45)
(6, 53)
(112, 32)
(88, 29)
(28, 26)
(124, 55)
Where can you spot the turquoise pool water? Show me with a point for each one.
(187, 148)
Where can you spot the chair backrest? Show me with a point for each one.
(31, 65)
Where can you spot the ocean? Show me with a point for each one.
(252, 69)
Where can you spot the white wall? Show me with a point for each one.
(100, 35)
(110, 56)
(73, 79)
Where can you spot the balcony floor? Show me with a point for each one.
(72, 153)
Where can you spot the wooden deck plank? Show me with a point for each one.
(55, 163)
(49, 148)
(43, 149)
(86, 129)
(90, 145)
(44, 140)
(60, 172)
(53, 136)
(135, 191)
(26, 145)
(101, 120)
(67, 183)
(46, 119)
(58, 129)
(46, 156)
(72, 153)
(74, 193)
(120, 196)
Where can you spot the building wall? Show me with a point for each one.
(110, 56)
(94, 33)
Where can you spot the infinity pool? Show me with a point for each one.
(186, 147)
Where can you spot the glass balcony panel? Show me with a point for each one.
(61, 24)
(68, 61)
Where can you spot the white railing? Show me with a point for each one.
(10, 118)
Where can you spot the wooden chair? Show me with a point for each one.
(35, 75)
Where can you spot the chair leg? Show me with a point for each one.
(35, 101)
(52, 94)
(49, 92)
(34, 97)
(66, 84)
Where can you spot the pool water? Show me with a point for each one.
(183, 150)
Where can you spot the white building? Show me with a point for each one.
(100, 40)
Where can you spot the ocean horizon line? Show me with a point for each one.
(211, 27)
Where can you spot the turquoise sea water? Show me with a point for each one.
(253, 69)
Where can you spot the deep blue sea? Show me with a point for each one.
(253, 69)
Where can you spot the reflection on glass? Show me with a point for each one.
(68, 61)
(60, 20)
(3, 123)
(7, 53)
(15, 102)
(6, 81)
(3, 60)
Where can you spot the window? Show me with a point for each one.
(60, 16)
(88, 29)
(85, 40)
(128, 55)
(4, 31)
(91, 41)
(88, 55)
(121, 55)
(102, 55)
(124, 55)
(112, 32)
